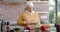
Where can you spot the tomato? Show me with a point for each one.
(43, 28)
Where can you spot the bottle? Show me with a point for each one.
(3, 26)
(7, 27)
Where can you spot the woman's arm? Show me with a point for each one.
(21, 20)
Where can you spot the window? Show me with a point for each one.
(58, 11)
(51, 11)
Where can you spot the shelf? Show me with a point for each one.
(42, 2)
(42, 12)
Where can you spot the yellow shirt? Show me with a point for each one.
(32, 18)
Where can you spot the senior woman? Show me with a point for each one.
(29, 16)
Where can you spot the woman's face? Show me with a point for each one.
(29, 8)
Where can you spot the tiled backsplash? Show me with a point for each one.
(9, 12)
(12, 12)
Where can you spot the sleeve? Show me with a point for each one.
(38, 19)
(21, 20)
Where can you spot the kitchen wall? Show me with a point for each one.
(12, 12)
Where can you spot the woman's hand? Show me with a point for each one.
(27, 22)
